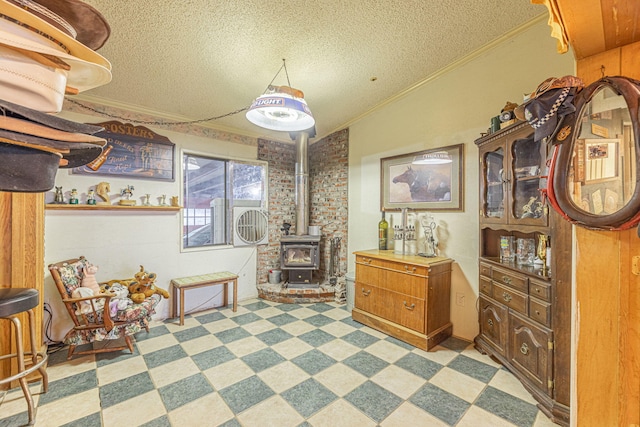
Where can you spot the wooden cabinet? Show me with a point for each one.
(513, 165)
(524, 310)
(405, 296)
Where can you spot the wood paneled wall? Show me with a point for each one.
(607, 295)
(21, 263)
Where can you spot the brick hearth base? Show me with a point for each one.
(282, 294)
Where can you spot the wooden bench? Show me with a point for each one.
(192, 282)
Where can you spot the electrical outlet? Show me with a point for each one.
(460, 299)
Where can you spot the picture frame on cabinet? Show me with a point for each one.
(424, 180)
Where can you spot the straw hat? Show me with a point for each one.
(19, 29)
(74, 17)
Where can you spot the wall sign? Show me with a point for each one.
(132, 151)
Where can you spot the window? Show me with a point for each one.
(212, 186)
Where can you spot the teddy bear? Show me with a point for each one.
(121, 299)
(144, 286)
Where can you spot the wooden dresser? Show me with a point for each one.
(407, 297)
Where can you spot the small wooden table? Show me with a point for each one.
(191, 282)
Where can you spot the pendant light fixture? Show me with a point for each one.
(281, 108)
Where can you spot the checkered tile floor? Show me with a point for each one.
(281, 365)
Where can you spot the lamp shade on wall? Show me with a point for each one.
(283, 109)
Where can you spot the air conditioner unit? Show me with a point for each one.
(250, 226)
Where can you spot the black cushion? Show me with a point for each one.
(17, 300)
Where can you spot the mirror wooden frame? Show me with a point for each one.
(561, 162)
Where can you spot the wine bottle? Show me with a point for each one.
(383, 228)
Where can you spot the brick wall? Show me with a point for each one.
(328, 192)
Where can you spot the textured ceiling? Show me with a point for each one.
(194, 59)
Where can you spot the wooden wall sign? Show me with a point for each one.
(132, 151)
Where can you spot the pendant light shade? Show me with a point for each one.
(283, 109)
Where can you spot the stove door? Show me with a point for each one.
(299, 256)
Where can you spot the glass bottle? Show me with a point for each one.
(383, 228)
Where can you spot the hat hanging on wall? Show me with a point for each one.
(549, 104)
(41, 61)
(281, 108)
(77, 18)
(33, 145)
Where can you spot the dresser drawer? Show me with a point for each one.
(485, 286)
(513, 299)
(403, 283)
(540, 289)
(510, 278)
(485, 270)
(397, 308)
(418, 270)
(365, 260)
(540, 311)
(367, 274)
(411, 312)
(366, 297)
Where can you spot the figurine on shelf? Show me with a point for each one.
(146, 200)
(163, 200)
(428, 226)
(533, 209)
(59, 196)
(91, 198)
(102, 190)
(127, 193)
(73, 197)
(174, 201)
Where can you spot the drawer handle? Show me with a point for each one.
(406, 269)
(409, 307)
(490, 322)
(524, 349)
(538, 312)
(366, 293)
(506, 296)
(366, 261)
(537, 290)
(506, 279)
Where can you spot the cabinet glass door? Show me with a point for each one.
(527, 159)
(494, 185)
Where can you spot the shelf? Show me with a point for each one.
(533, 270)
(68, 207)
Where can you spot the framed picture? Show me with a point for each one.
(425, 180)
(132, 152)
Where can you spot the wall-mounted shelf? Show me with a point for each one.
(68, 207)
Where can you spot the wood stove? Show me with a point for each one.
(300, 256)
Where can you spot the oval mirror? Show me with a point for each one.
(595, 168)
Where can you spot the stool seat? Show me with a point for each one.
(17, 300)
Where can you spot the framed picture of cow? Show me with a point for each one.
(429, 180)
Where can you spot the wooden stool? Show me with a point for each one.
(192, 282)
(12, 302)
